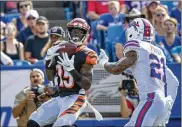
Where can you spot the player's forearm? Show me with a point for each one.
(18, 109)
(109, 66)
(123, 64)
(125, 111)
(50, 74)
(49, 69)
(120, 66)
(81, 80)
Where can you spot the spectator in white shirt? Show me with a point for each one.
(6, 60)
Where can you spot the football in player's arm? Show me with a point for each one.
(83, 78)
(70, 75)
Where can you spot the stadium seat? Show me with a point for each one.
(7, 18)
(40, 62)
(21, 62)
(112, 32)
(97, 34)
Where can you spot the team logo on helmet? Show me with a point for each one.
(140, 29)
(54, 29)
(135, 25)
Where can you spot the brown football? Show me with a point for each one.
(69, 48)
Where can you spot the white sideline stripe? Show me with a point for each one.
(105, 108)
(97, 114)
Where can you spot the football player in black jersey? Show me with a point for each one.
(71, 75)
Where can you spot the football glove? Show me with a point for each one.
(169, 103)
(103, 58)
(68, 64)
(51, 53)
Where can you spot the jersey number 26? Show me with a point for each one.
(157, 67)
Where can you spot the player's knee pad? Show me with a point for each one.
(32, 123)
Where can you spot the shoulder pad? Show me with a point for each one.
(131, 45)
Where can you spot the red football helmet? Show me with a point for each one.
(78, 30)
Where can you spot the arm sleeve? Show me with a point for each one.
(16, 102)
(172, 83)
(19, 98)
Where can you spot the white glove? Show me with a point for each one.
(169, 103)
(51, 53)
(67, 63)
(103, 58)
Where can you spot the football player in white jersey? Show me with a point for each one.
(148, 65)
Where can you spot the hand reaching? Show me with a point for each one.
(51, 52)
(67, 63)
(103, 58)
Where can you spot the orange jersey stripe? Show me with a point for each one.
(74, 108)
(82, 97)
(91, 58)
(78, 103)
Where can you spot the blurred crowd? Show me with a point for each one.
(25, 34)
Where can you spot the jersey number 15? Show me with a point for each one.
(66, 80)
(157, 67)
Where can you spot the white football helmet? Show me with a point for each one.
(140, 29)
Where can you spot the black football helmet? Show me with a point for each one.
(78, 31)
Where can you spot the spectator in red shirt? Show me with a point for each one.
(113, 17)
(10, 7)
(96, 8)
